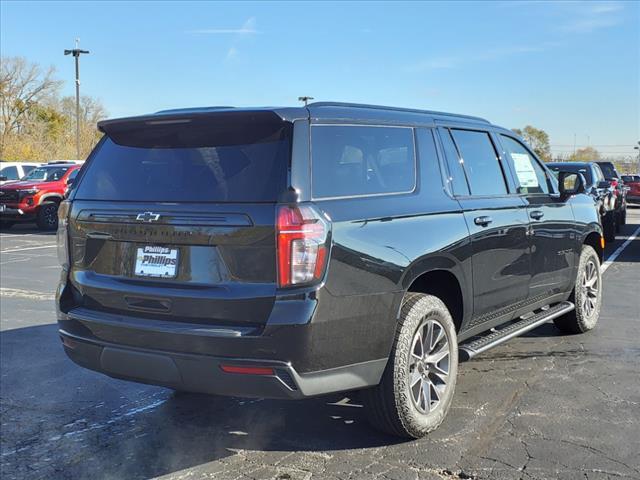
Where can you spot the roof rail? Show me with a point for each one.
(194, 109)
(396, 109)
(61, 162)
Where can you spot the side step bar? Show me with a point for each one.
(469, 350)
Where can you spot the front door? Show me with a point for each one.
(551, 231)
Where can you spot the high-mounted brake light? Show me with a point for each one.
(302, 235)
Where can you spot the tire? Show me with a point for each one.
(6, 225)
(47, 218)
(618, 222)
(587, 299)
(393, 406)
(609, 227)
(623, 217)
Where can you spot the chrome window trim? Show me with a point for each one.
(364, 195)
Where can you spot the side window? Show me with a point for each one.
(362, 160)
(531, 176)
(72, 176)
(27, 168)
(10, 172)
(599, 175)
(456, 172)
(480, 162)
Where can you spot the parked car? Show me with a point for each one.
(611, 174)
(633, 182)
(295, 252)
(12, 171)
(35, 198)
(601, 190)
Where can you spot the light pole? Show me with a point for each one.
(76, 52)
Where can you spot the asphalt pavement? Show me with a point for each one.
(542, 406)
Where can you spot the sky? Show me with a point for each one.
(570, 68)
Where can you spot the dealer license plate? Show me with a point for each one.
(153, 261)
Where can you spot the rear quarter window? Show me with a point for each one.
(362, 160)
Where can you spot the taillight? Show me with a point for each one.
(614, 184)
(302, 236)
(62, 236)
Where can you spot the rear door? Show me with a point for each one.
(175, 218)
(497, 222)
(552, 229)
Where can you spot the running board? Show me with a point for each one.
(469, 350)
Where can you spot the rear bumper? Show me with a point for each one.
(307, 352)
(203, 373)
(633, 198)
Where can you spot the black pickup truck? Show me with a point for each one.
(295, 252)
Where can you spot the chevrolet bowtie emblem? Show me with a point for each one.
(148, 217)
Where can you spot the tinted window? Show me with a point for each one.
(480, 162)
(202, 167)
(27, 168)
(608, 170)
(456, 172)
(10, 172)
(352, 160)
(46, 174)
(585, 171)
(531, 176)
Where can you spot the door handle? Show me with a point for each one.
(482, 221)
(537, 214)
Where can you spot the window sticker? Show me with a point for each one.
(524, 170)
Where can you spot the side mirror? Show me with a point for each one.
(571, 183)
(2, 178)
(70, 181)
(604, 184)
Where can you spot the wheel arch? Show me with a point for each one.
(594, 239)
(50, 198)
(444, 278)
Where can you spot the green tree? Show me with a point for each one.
(587, 154)
(537, 139)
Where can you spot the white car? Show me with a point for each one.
(12, 171)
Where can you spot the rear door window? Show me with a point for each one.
(456, 171)
(196, 164)
(481, 162)
(362, 160)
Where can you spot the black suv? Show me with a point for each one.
(295, 252)
(601, 190)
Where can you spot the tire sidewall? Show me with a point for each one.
(42, 222)
(415, 422)
(585, 322)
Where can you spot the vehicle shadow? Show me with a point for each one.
(86, 425)
(24, 228)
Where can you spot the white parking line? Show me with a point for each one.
(619, 250)
(27, 248)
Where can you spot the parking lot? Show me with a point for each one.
(541, 406)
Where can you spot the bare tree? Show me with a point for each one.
(23, 85)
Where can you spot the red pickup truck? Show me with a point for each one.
(35, 197)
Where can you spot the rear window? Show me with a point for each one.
(586, 172)
(608, 170)
(362, 160)
(202, 161)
